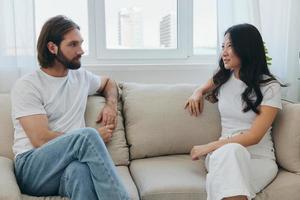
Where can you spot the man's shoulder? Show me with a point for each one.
(29, 76)
(29, 79)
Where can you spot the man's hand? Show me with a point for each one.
(109, 115)
(106, 132)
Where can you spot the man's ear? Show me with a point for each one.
(52, 47)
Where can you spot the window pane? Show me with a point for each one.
(205, 26)
(141, 24)
(76, 10)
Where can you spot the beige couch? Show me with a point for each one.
(151, 144)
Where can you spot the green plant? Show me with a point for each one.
(269, 63)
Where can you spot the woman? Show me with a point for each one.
(242, 161)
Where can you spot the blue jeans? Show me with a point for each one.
(75, 165)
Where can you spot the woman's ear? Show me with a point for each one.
(52, 47)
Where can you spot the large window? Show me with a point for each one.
(132, 30)
(205, 27)
(141, 24)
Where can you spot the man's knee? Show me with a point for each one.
(90, 133)
(93, 135)
(76, 171)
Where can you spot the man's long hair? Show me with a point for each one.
(53, 31)
(248, 45)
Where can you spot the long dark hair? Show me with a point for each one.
(53, 30)
(248, 45)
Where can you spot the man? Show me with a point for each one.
(55, 153)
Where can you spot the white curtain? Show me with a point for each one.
(17, 41)
(232, 12)
(279, 23)
(281, 31)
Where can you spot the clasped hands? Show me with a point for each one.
(108, 119)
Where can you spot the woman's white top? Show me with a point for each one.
(234, 120)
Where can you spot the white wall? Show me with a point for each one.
(8, 76)
(169, 74)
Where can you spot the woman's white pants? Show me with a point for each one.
(233, 171)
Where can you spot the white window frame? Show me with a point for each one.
(183, 54)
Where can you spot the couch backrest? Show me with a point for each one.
(6, 127)
(286, 136)
(117, 146)
(156, 123)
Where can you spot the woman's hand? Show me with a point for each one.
(201, 150)
(194, 104)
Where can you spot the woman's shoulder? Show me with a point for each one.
(271, 91)
(269, 82)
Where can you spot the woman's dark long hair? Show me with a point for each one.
(248, 45)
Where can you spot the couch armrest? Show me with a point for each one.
(9, 189)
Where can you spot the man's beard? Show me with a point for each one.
(69, 64)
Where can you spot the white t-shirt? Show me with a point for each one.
(234, 120)
(62, 99)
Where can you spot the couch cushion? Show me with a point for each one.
(128, 182)
(117, 147)
(125, 177)
(27, 197)
(286, 136)
(169, 178)
(6, 127)
(9, 189)
(285, 186)
(156, 123)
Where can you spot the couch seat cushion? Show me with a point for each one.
(285, 186)
(173, 177)
(128, 182)
(26, 197)
(125, 176)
